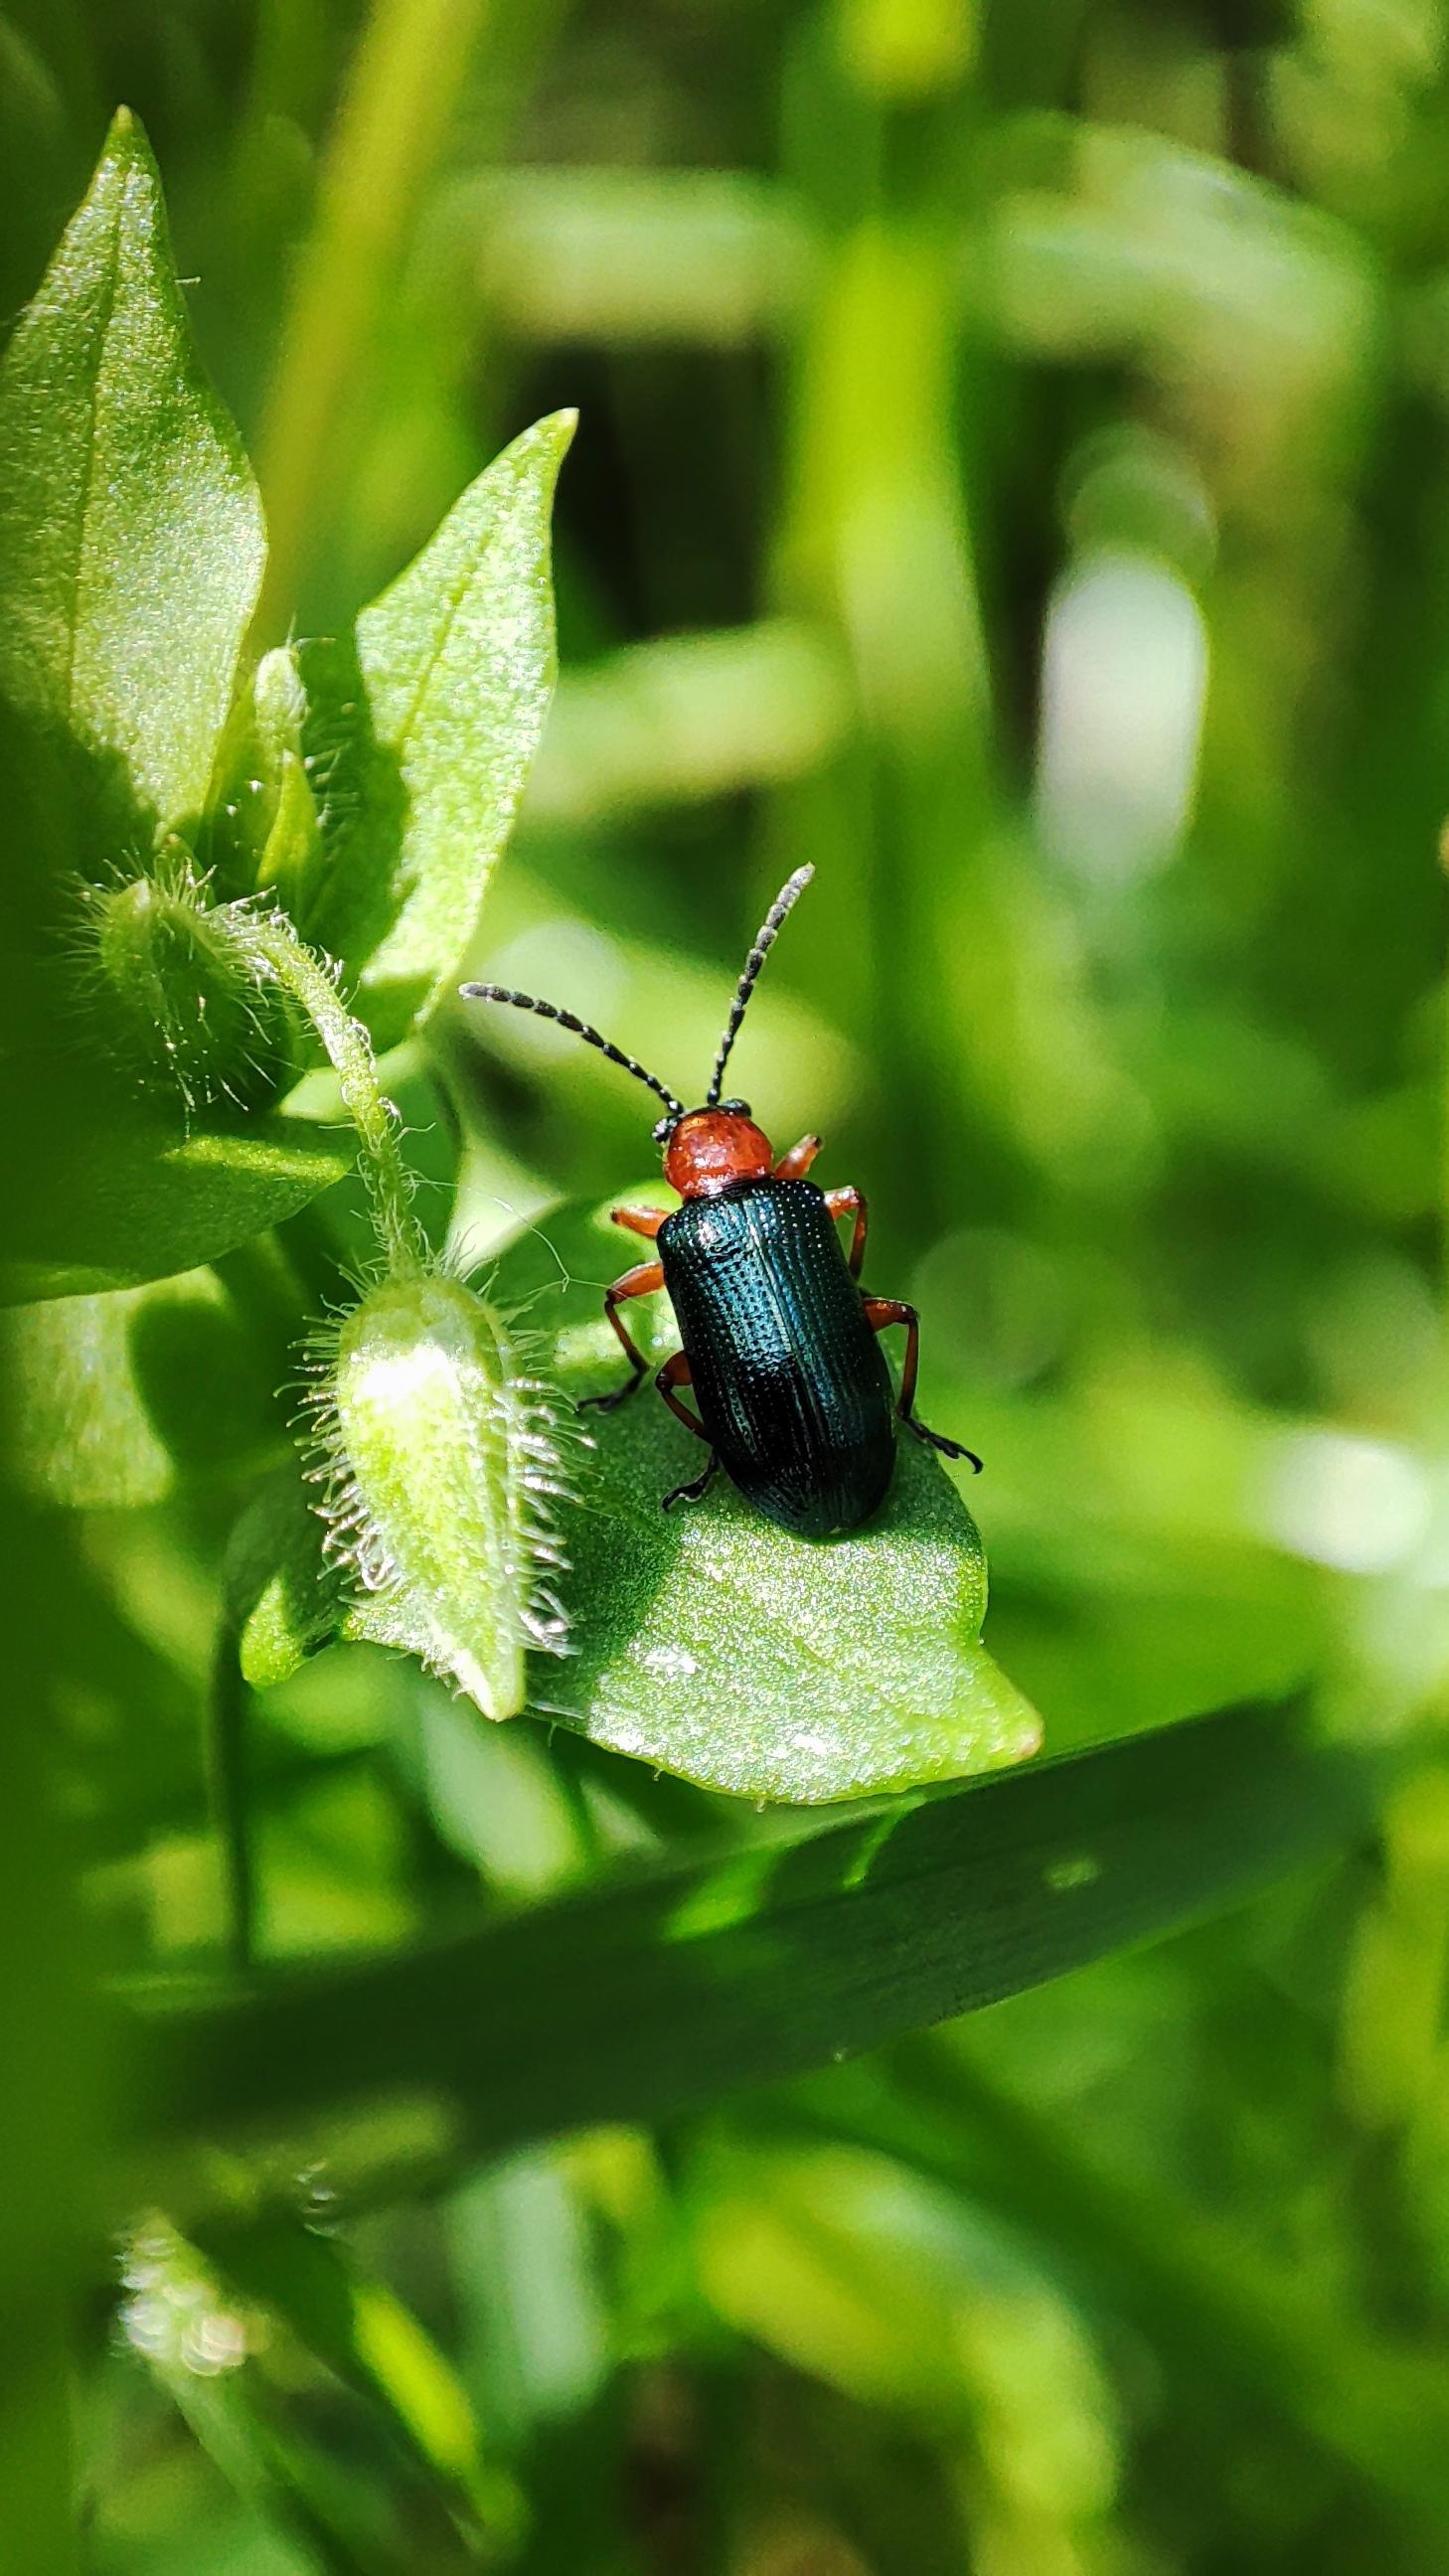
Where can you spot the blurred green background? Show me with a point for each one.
(1012, 474)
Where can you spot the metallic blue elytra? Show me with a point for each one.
(789, 1379)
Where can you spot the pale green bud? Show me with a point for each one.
(440, 1460)
(280, 701)
(292, 847)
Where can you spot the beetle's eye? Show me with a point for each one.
(737, 1108)
(664, 1129)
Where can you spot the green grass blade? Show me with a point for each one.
(636, 2001)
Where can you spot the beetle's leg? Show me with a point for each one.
(841, 1203)
(675, 1372)
(881, 1311)
(794, 1165)
(640, 1282)
(646, 1221)
(697, 1485)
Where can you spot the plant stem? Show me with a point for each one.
(275, 944)
(390, 126)
(226, 1710)
(1445, 1111)
(53, 2073)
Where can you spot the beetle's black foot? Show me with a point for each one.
(695, 1489)
(938, 1440)
(605, 1403)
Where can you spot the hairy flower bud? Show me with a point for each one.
(180, 996)
(439, 1460)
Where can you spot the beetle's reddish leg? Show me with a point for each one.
(646, 1221)
(675, 1372)
(640, 1282)
(794, 1165)
(840, 1203)
(881, 1311)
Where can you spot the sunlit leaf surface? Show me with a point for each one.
(715, 1644)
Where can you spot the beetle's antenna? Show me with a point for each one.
(580, 1028)
(768, 933)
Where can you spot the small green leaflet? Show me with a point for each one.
(131, 542)
(423, 739)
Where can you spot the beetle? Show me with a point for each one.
(779, 1339)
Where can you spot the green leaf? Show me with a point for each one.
(111, 1194)
(262, 828)
(113, 1401)
(635, 2001)
(711, 1643)
(130, 528)
(428, 757)
(283, 1595)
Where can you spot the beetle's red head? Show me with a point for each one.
(708, 1148)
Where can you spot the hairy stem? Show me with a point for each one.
(275, 945)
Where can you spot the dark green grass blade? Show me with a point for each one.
(640, 2000)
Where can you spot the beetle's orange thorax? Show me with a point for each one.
(712, 1147)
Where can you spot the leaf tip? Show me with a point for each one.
(125, 184)
(127, 143)
(554, 434)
